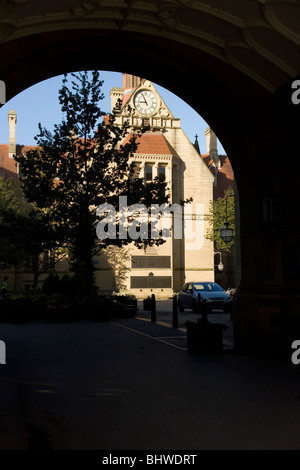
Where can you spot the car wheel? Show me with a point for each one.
(180, 307)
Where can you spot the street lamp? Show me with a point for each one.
(220, 265)
(226, 232)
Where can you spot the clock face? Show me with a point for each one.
(145, 102)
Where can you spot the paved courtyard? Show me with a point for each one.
(129, 385)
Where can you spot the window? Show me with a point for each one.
(187, 287)
(28, 287)
(132, 81)
(135, 81)
(199, 287)
(144, 282)
(151, 262)
(208, 286)
(148, 172)
(162, 173)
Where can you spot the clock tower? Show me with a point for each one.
(130, 82)
(164, 153)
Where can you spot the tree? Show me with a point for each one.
(81, 165)
(9, 201)
(11, 195)
(13, 206)
(118, 258)
(216, 220)
(26, 233)
(39, 241)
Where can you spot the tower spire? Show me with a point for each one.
(212, 146)
(196, 144)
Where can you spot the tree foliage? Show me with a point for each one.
(13, 206)
(9, 201)
(12, 196)
(216, 220)
(82, 164)
(26, 232)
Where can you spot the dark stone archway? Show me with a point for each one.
(258, 128)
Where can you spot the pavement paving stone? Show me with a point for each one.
(158, 331)
(129, 384)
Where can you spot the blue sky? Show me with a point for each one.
(39, 103)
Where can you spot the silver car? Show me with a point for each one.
(215, 296)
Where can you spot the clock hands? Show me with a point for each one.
(145, 101)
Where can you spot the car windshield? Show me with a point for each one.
(207, 286)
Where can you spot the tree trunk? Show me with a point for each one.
(82, 262)
(36, 273)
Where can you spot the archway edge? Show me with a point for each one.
(215, 85)
(246, 117)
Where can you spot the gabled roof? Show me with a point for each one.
(224, 175)
(146, 84)
(151, 144)
(8, 166)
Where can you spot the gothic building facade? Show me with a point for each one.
(164, 152)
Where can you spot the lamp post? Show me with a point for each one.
(226, 232)
(220, 265)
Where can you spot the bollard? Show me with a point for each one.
(153, 308)
(204, 311)
(199, 305)
(175, 312)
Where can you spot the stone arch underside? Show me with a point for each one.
(234, 63)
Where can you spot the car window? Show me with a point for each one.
(207, 287)
(212, 286)
(199, 287)
(216, 287)
(190, 287)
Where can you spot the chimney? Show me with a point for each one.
(212, 146)
(12, 119)
(130, 83)
(115, 94)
